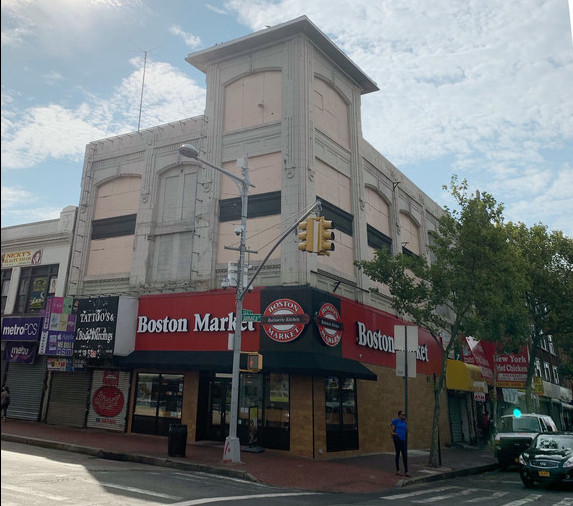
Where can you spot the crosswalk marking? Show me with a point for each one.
(36, 493)
(142, 491)
(568, 501)
(466, 491)
(525, 500)
(413, 494)
(495, 495)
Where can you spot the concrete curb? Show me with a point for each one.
(449, 474)
(130, 457)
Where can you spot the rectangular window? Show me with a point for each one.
(551, 347)
(547, 370)
(555, 375)
(34, 288)
(543, 344)
(537, 368)
(378, 240)
(6, 275)
(262, 204)
(117, 226)
(158, 403)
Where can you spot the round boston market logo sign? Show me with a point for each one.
(108, 401)
(284, 320)
(329, 324)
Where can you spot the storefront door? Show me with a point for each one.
(219, 407)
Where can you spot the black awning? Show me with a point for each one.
(220, 361)
(315, 364)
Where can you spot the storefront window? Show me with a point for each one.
(158, 403)
(34, 288)
(250, 408)
(341, 414)
(277, 412)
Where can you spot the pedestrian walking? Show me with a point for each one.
(399, 432)
(5, 402)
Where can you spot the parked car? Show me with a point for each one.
(515, 434)
(549, 459)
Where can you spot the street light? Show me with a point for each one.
(232, 449)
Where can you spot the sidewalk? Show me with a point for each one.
(369, 473)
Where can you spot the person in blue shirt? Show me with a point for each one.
(399, 431)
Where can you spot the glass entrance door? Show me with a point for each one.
(219, 407)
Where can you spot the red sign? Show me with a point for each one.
(289, 322)
(369, 337)
(194, 321)
(473, 353)
(511, 368)
(329, 324)
(108, 401)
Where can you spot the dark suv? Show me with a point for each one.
(516, 433)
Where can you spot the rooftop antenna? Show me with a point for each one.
(142, 86)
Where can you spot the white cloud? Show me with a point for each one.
(486, 89)
(13, 196)
(218, 10)
(191, 40)
(54, 131)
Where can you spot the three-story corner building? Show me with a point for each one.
(156, 227)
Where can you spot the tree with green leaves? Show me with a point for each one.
(548, 297)
(470, 273)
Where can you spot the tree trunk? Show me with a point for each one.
(433, 460)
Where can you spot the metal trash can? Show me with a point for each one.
(177, 440)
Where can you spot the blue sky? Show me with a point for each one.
(478, 88)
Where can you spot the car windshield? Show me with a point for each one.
(554, 442)
(512, 424)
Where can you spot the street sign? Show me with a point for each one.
(251, 317)
(405, 337)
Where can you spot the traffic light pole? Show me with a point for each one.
(232, 448)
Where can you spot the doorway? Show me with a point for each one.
(219, 407)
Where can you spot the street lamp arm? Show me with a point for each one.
(237, 179)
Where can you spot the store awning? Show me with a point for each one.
(314, 364)
(466, 377)
(222, 361)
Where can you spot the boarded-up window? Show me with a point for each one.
(178, 195)
(330, 113)
(113, 227)
(409, 234)
(253, 100)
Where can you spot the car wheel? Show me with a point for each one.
(527, 481)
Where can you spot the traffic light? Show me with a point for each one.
(307, 235)
(250, 361)
(325, 235)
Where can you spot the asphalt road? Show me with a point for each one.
(40, 476)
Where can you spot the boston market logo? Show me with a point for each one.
(329, 324)
(108, 401)
(284, 320)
